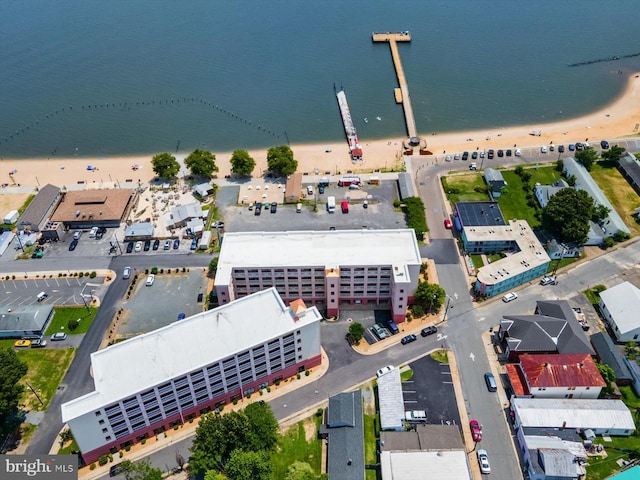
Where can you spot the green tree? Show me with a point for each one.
(280, 160)
(244, 465)
(567, 215)
(202, 163)
(631, 350)
(356, 331)
(600, 212)
(140, 470)
(65, 436)
(301, 471)
(613, 154)
(608, 376)
(560, 165)
(12, 369)
(430, 296)
(587, 157)
(213, 475)
(213, 266)
(242, 163)
(165, 165)
(263, 426)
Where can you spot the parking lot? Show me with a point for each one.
(380, 213)
(431, 389)
(150, 308)
(60, 290)
(367, 318)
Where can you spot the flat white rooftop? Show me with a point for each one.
(440, 465)
(332, 248)
(391, 401)
(141, 362)
(623, 302)
(532, 254)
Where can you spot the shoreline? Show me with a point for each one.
(621, 118)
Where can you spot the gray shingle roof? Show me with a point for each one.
(40, 206)
(345, 455)
(609, 355)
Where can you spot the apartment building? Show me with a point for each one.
(163, 378)
(332, 269)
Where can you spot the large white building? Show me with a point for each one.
(329, 269)
(619, 306)
(157, 380)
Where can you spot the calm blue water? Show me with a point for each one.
(141, 76)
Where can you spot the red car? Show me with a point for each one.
(476, 430)
(447, 224)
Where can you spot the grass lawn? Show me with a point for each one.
(618, 191)
(440, 356)
(477, 260)
(46, 369)
(406, 375)
(513, 201)
(67, 449)
(294, 447)
(465, 185)
(370, 439)
(64, 314)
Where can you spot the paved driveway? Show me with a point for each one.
(61, 290)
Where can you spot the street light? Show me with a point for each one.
(446, 309)
(35, 393)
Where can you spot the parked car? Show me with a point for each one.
(572, 147)
(77, 234)
(384, 370)
(150, 279)
(561, 148)
(167, 244)
(73, 245)
(393, 327)
(38, 343)
(309, 190)
(500, 153)
(320, 189)
(258, 209)
(194, 244)
(490, 380)
(126, 273)
(476, 430)
(447, 158)
(447, 224)
(456, 156)
(551, 280)
(217, 224)
(510, 297)
(551, 148)
(508, 152)
(604, 145)
(129, 247)
(543, 149)
(380, 332)
(176, 244)
(138, 247)
(579, 146)
(147, 245)
(22, 343)
(274, 207)
(465, 155)
(425, 332)
(408, 339)
(41, 297)
(483, 461)
(58, 337)
(518, 152)
(182, 316)
(490, 154)
(156, 244)
(474, 155)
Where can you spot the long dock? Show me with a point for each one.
(403, 95)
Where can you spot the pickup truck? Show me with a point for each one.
(416, 416)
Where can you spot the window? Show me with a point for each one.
(98, 414)
(104, 430)
(107, 438)
(101, 422)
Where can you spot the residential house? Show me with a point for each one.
(495, 182)
(609, 354)
(629, 167)
(37, 213)
(619, 306)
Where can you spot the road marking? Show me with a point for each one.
(482, 319)
(410, 401)
(472, 357)
(408, 391)
(447, 383)
(441, 337)
(455, 295)
(445, 373)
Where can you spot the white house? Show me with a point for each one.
(620, 306)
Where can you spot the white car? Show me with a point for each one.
(309, 190)
(150, 280)
(138, 247)
(58, 337)
(509, 297)
(548, 281)
(483, 460)
(543, 149)
(384, 370)
(126, 273)
(448, 158)
(518, 152)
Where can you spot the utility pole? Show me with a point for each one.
(35, 393)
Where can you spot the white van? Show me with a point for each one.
(299, 208)
(93, 232)
(41, 296)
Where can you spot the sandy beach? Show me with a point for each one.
(619, 119)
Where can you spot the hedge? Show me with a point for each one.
(414, 209)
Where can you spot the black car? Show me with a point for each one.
(274, 207)
(176, 244)
(474, 155)
(604, 144)
(258, 209)
(579, 146)
(147, 245)
(428, 331)
(509, 153)
(561, 148)
(465, 155)
(551, 148)
(73, 245)
(156, 244)
(115, 470)
(408, 339)
(320, 189)
(500, 153)
(490, 154)
(129, 247)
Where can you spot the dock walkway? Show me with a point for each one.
(393, 38)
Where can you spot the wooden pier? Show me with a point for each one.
(402, 96)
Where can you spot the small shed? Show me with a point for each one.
(205, 241)
(293, 188)
(11, 217)
(203, 190)
(495, 181)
